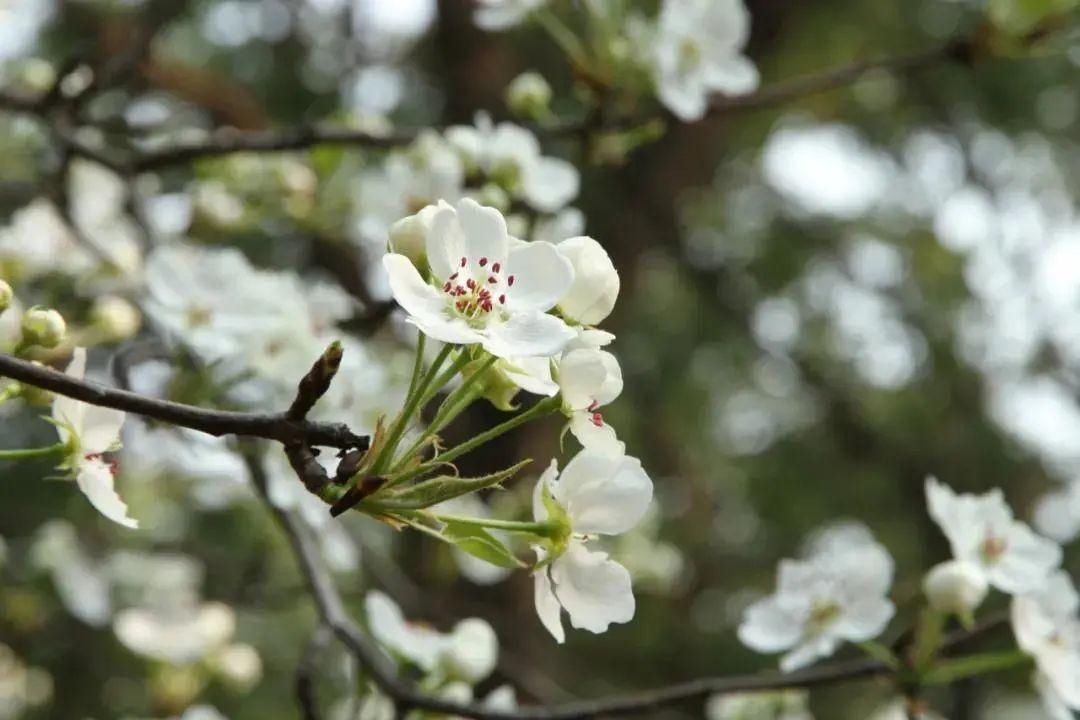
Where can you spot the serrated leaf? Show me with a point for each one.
(480, 543)
(442, 488)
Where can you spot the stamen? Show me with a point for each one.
(470, 283)
(483, 261)
(592, 405)
(446, 287)
(453, 277)
(510, 281)
(495, 268)
(492, 279)
(502, 299)
(597, 419)
(463, 262)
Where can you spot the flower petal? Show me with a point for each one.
(445, 244)
(451, 331)
(410, 291)
(528, 334)
(808, 652)
(1028, 561)
(549, 183)
(768, 627)
(541, 276)
(547, 605)
(485, 234)
(594, 589)
(602, 494)
(547, 480)
(532, 374)
(589, 376)
(599, 438)
(101, 429)
(68, 412)
(96, 481)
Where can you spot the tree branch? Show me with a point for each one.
(269, 426)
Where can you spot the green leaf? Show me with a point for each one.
(480, 543)
(948, 671)
(442, 488)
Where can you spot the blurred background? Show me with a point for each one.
(823, 301)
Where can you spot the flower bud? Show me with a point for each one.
(408, 236)
(955, 587)
(471, 651)
(6, 296)
(592, 295)
(115, 317)
(529, 95)
(43, 327)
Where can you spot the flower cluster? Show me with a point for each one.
(524, 314)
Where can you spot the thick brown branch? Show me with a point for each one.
(270, 426)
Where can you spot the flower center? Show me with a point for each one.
(689, 55)
(596, 418)
(113, 464)
(992, 548)
(476, 291)
(822, 615)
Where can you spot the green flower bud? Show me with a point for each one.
(529, 95)
(116, 318)
(43, 327)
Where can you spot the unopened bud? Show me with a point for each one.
(595, 288)
(6, 296)
(955, 587)
(115, 317)
(408, 236)
(43, 327)
(529, 95)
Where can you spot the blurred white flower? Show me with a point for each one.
(511, 155)
(502, 14)
(239, 665)
(23, 688)
(596, 494)
(178, 635)
(955, 586)
(783, 705)
(982, 532)
(838, 593)
(1057, 514)
(89, 432)
(1047, 627)
(488, 293)
(82, 584)
(698, 50)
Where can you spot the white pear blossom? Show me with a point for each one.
(1057, 514)
(838, 593)
(502, 14)
(698, 50)
(982, 531)
(180, 634)
(955, 586)
(81, 583)
(467, 653)
(589, 379)
(1047, 627)
(485, 291)
(596, 494)
(89, 432)
(511, 155)
(595, 289)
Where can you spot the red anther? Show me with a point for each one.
(446, 287)
(470, 283)
(510, 281)
(459, 290)
(492, 279)
(93, 456)
(592, 405)
(453, 277)
(486, 306)
(597, 419)
(460, 305)
(483, 261)
(502, 299)
(495, 268)
(463, 261)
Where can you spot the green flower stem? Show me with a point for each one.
(412, 404)
(440, 382)
(547, 406)
(543, 529)
(418, 364)
(26, 453)
(563, 36)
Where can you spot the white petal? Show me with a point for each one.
(547, 480)
(1027, 562)
(96, 480)
(598, 438)
(410, 291)
(547, 605)
(808, 652)
(530, 374)
(550, 183)
(589, 376)
(101, 429)
(768, 627)
(603, 494)
(734, 75)
(471, 650)
(865, 619)
(485, 234)
(528, 334)
(683, 94)
(592, 295)
(451, 331)
(68, 411)
(445, 242)
(594, 590)
(541, 276)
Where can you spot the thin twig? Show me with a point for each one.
(307, 673)
(269, 426)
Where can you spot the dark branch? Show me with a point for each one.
(269, 426)
(307, 672)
